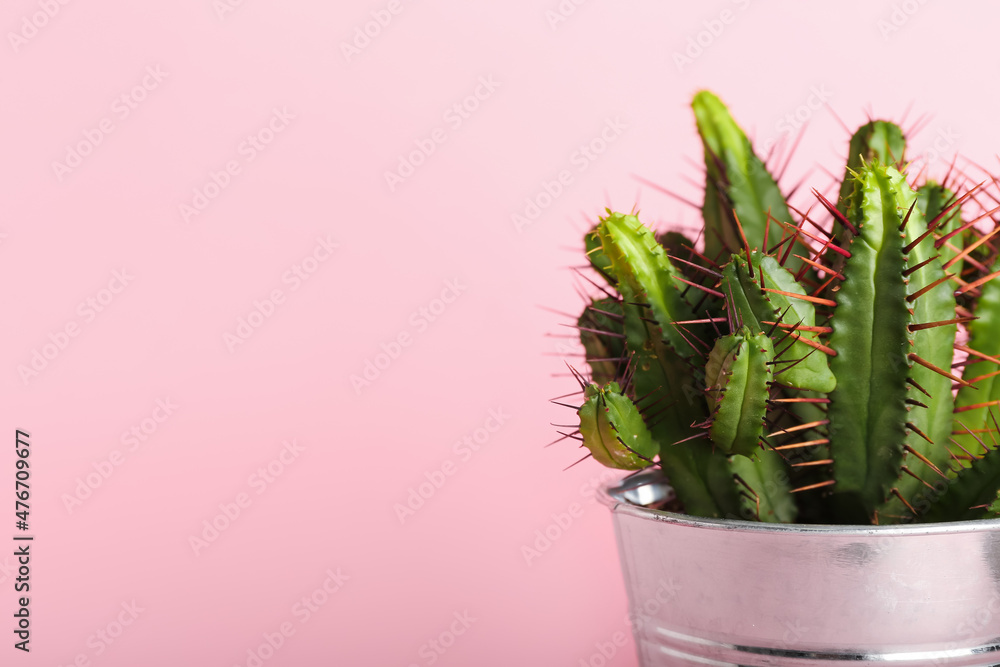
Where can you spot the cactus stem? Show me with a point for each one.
(920, 456)
(919, 293)
(810, 487)
(944, 323)
(802, 445)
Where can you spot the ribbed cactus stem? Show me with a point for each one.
(738, 186)
(868, 410)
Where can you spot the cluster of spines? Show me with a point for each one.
(898, 456)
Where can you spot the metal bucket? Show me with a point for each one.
(720, 592)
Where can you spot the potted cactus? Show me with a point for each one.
(808, 398)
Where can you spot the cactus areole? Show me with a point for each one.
(836, 363)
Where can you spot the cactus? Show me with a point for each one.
(798, 368)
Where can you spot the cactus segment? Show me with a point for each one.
(767, 496)
(737, 180)
(832, 370)
(613, 429)
(933, 404)
(645, 274)
(666, 384)
(738, 377)
(602, 333)
(878, 139)
(972, 494)
(868, 412)
(984, 337)
(754, 289)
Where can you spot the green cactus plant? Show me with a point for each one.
(798, 369)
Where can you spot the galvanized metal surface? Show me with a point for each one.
(713, 592)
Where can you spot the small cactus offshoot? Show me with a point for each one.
(839, 364)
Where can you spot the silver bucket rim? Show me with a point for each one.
(621, 496)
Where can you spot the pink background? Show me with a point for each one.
(492, 350)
